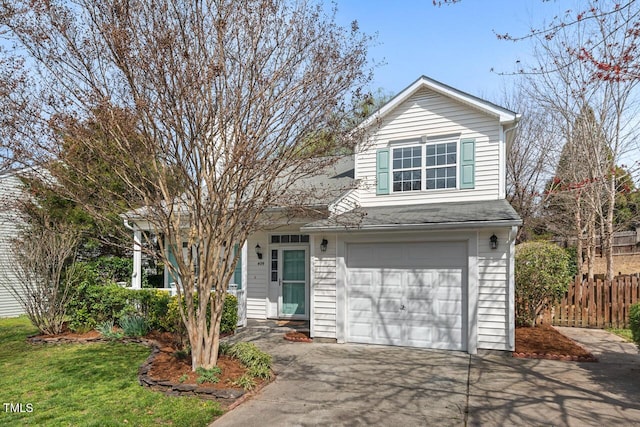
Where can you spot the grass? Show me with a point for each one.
(623, 333)
(85, 385)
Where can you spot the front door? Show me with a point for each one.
(293, 279)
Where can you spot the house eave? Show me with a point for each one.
(414, 227)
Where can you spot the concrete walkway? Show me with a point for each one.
(349, 384)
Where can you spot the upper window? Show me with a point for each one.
(407, 168)
(441, 165)
(438, 170)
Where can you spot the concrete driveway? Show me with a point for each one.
(348, 384)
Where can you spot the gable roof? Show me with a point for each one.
(504, 115)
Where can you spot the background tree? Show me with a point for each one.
(530, 160)
(44, 252)
(224, 98)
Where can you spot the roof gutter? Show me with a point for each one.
(416, 227)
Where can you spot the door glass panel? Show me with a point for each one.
(293, 267)
(293, 298)
(293, 282)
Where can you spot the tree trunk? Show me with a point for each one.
(607, 243)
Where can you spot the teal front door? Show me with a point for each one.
(293, 284)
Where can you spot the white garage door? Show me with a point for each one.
(408, 294)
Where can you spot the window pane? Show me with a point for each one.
(440, 183)
(431, 173)
(441, 159)
(397, 163)
(295, 238)
(451, 147)
(397, 186)
(451, 182)
(304, 238)
(274, 265)
(440, 173)
(275, 239)
(416, 162)
(416, 175)
(416, 185)
(406, 163)
(441, 148)
(397, 153)
(284, 238)
(274, 254)
(274, 276)
(431, 161)
(431, 184)
(406, 186)
(431, 150)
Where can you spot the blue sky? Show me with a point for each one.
(453, 44)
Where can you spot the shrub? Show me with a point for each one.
(172, 322)
(634, 321)
(134, 326)
(229, 321)
(94, 303)
(257, 361)
(542, 275)
(153, 305)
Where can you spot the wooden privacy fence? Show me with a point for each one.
(595, 304)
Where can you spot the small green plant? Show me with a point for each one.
(246, 381)
(257, 361)
(634, 322)
(229, 320)
(208, 375)
(107, 330)
(134, 326)
(183, 378)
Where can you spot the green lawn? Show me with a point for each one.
(84, 385)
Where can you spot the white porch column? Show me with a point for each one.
(136, 276)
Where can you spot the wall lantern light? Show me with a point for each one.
(323, 245)
(494, 241)
(259, 251)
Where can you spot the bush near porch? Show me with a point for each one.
(98, 300)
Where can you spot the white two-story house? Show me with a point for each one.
(420, 251)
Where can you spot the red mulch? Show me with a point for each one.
(545, 342)
(298, 336)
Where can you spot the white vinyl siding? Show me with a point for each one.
(493, 288)
(428, 114)
(9, 193)
(324, 289)
(257, 277)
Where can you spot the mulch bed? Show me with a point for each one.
(165, 371)
(298, 336)
(545, 342)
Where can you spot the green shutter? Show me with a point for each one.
(467, 163)
(237, 273)
(382, 171)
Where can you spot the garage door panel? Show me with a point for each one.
(412, 297)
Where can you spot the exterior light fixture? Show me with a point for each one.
(259, 251)
(323, 245)
(494, 241)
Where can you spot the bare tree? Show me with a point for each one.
(530, 159)
(227, 100)
(569, 83)
(44, 253)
